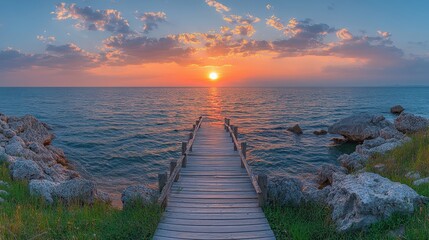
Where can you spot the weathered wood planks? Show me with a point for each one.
(214, 198)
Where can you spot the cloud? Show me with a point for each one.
(274, 22)
(68, 56)
(385, 35)
(246, 20)
(142, 49)
(268, 6)
(44, 39)
(218, 6)
(94, 20)
(344, 34)
(151, 20)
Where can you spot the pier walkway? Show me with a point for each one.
(211, 192)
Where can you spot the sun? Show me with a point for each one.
(213, 76)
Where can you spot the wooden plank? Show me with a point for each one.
(214, 229)
(210, 222)
(221, 216)
(212, 205)
(213, 200)
(204, 236)
(213, 210)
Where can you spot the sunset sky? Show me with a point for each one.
(247, 43)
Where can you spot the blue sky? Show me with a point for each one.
(28, 27)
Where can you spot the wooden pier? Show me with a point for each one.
(211, 192)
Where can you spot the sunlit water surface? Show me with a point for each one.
(124, 136)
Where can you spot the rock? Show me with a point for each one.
(421, 181)
(285, 191)
(43, 188)
(4, 184)
(9, 133)
(4, 193)
(15, 147)
(409, 123)
(76, 191)
(397, 109)
(391, 132)
(352, 162)
(358, 128)
(24, 169)
(412, 175)
(295, 129)
(320, 132)
(3, 117)
(358, 201)
(380, 167)
(326, 172)
(30, 129)
(137, 193)
(378, 145)
(339, 140)
(103, 197)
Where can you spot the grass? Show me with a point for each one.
(23, 216)
(313, 221)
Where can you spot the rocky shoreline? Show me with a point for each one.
(357, 198)
(26, 145)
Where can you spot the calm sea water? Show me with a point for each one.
(124, 136)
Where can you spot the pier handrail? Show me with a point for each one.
(175, 173)
(244, 162)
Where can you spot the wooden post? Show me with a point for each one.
(172, 167)
(230, 133)
(193, 127)
(224, 126)
(191, 135)
(185, 159)
(184, 145)
(244, 149)
(162, 180)
(235, 132)
(197, 122)
(263, 184)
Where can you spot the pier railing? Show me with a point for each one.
(259, 182)
(165, 182)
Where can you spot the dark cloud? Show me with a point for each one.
(94, 20)
(67, 56)
(142, 49)
(151, 20)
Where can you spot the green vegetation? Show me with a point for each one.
(313, 222)
(25, 217)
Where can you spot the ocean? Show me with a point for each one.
(125, 136)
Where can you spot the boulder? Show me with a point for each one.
(137, 193)
(377, 145)
(421, 181)
(410, 123)
(43, 188)
(390, 132)
(339, 140)
(397, 109)
(24, 169)
(4, 193)
(295, 129)
(285, 191)
(352, 162)
(320, 132)
(103, 197)
(76, 191)
(4, 184)
(412, 175)
(358, 201)
(30, 129)
(9, 133)
(15, 147)
(326, 172)
(358, 128)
